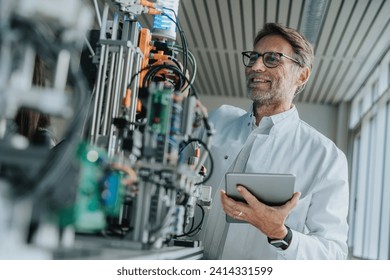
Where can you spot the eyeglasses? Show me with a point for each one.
(270, 59)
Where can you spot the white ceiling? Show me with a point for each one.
(350, 37)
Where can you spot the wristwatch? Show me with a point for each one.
(282, 243)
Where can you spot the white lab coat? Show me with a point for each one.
(281, 144)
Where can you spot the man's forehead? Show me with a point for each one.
(275, 43)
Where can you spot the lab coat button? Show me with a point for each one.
(226, 156)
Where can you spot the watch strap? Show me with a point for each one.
(282, 243)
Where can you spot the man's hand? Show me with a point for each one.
(268, 219)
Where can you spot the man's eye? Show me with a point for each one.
(272, 58)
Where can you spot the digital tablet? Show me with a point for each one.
(271, 189)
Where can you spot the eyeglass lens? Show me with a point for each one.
(270, 59)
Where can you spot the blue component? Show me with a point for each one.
(110, 192)
(162, 22)
(164, 26)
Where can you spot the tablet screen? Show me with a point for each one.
(270, 188)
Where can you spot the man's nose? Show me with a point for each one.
(259, 66)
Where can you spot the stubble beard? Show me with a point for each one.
(272, 96)
(265, 97)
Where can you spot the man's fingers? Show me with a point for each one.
(231, 206)
(292, 202)
(250, 198)
(227, 202)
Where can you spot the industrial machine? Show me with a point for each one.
(122, 173)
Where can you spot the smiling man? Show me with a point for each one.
(271, 138)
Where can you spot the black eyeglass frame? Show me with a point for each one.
(247, 54)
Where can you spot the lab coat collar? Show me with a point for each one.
(281, 116)
(274, 120)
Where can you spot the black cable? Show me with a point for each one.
(174, 60)
(197, 228)
(182, 36)
(193, 64)
(136, 74)
(192, 225)
(186, 143)
(154, 69)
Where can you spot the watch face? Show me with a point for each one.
(279, 243)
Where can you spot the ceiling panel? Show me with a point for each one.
(214, 24)
(284, 11)
(258, 15)
(248, 24)
(349, 36)
(295, 14)
(375, 43)
(322, 61)
(271, 7)
(338, 32)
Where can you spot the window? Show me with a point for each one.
(369, 216)
(384, 251)
(374, 91)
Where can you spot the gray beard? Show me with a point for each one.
(264, 98)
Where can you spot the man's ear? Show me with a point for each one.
(304, 75)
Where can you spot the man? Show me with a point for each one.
(271, 138)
